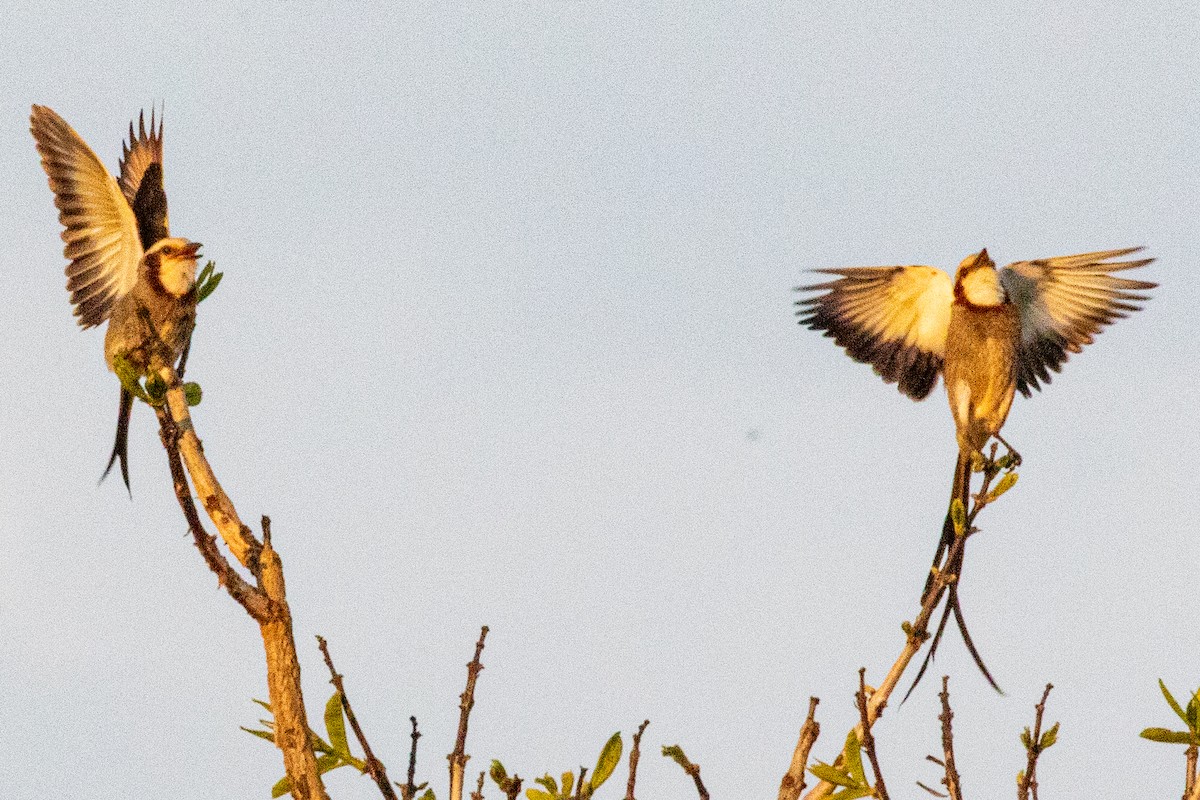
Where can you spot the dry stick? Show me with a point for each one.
(375, 768)
(458, 758)
(952, 782)
(409, 791)
(868, 740)
(478, 793)
(634, 755)
(793, 782)
(916, 635)
(266, 603)
(1028, 786)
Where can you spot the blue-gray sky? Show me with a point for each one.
(506, 338)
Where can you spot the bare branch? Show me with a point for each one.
(458, 759)
(868, 738)
(793, 781)
(375, 768)
(478, 793)
(634, 756)
(951, 781)
(409, 790)
(267, 604)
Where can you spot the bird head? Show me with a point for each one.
(171, 265)
(977, 282)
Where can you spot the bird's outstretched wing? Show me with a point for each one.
(1064, 302)
(142, 179)
(99, 227)
(894, 318)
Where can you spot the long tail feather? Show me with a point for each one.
(120, 449)
(961, 490)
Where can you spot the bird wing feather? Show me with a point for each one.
(143, 149)
(99, 228)
(1064, 302)
(894, 318)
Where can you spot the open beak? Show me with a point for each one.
(192, 250)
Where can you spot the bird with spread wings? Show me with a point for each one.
(125, 267)
(989, 333)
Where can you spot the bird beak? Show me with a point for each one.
(982, 258)
(192, 250)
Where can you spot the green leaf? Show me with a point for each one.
(1049, 737)
(335, 724)
(854, 763)
(209, 285)
(262, 703)
(1192, 707)
(852, 794)
(429, 795)
(327, 762)
(610, 757)
(978, 462)
(675, 753)
(1006, 483)
(270, 737)
(192, 393)
(1167, 736)
(568, 783)
(498, 773)
(832, 774)
(1171, 701)
(958, 514)
(536, 794)
(548, 782)
(282, 786)
(1027, 738)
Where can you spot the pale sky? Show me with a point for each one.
(506, 338)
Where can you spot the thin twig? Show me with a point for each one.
(375, 767)
(1027, 787)
(458, 759)
(579, 783)
(676, 754)
(478, 793)
(868, 740)
(634, 756)
(793, 781)
(951, 781)
(409, 790)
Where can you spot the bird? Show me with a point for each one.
(987, 333)
(125, 268)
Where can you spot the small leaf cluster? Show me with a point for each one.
(330, 754)
(1190, 717)
(852, 776)
(207, 281)
(567, 788)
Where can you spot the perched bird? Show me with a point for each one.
(125, 268)
(989, 333)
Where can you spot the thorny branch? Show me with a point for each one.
(793, 781)
(375, 767)
(458, 759)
